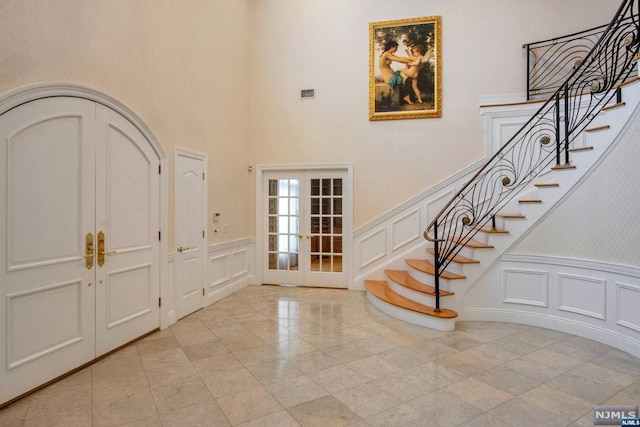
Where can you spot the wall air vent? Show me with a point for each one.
(307, 93)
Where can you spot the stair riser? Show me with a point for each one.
(436, 323)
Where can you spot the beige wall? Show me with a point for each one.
(223, 77)
(180, 65)
(323, 44)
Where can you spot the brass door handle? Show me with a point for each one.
(182, 249)
(101, 251)
(88, 256)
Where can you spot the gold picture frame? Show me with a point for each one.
(405, 64)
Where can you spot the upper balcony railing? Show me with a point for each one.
(543, 141)
(550, 62)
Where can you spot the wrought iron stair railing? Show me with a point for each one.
(542, 142)
(550, 62)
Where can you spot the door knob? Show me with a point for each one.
(182, 249)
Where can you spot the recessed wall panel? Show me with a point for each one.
(405, 230)
(582, 295)
(219, 270)
(628, 298)
(527, 287)
(239, 263)
(372, 247)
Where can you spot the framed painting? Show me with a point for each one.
(405, 65)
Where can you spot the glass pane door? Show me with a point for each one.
(325, 254)
(284, 224)
(303, 225)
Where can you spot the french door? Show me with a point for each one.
(304, 227)
(79, 250)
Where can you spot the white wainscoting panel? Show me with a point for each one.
(628, 307)
(239, 263)
(527, 287)
(405, 229)
(169, 307)
(582, 295)
(219, 269)
(595, 300)
(439, 201)
(228, 268)
(372, 247)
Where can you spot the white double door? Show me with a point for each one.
(79, 238)
(305, 218)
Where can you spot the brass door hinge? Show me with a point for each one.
(160, 302)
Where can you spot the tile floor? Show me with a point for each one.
(283, 356)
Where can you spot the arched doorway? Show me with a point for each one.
(81, 218)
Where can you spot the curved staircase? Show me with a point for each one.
(409, 294)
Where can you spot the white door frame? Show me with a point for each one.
(183, 152)
(261, 170)
(24, 94)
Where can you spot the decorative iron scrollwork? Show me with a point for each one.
(603, 61)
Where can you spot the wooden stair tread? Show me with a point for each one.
(426, 267)
(547, 184)
(631, 80)
(565, 166)
(573, 150)
(380, 289)
(529, 201)
(457, 258)
(403, 278)
(511, 215)
(598, 128)
(491, 230)
(612, 106)
(472, 243)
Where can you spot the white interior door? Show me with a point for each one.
(191, 220)
(127, 225)
(70, 169)
(303, 226)
(47, 208)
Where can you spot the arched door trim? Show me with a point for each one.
(21, 95)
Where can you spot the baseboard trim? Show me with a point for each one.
(584, 330)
